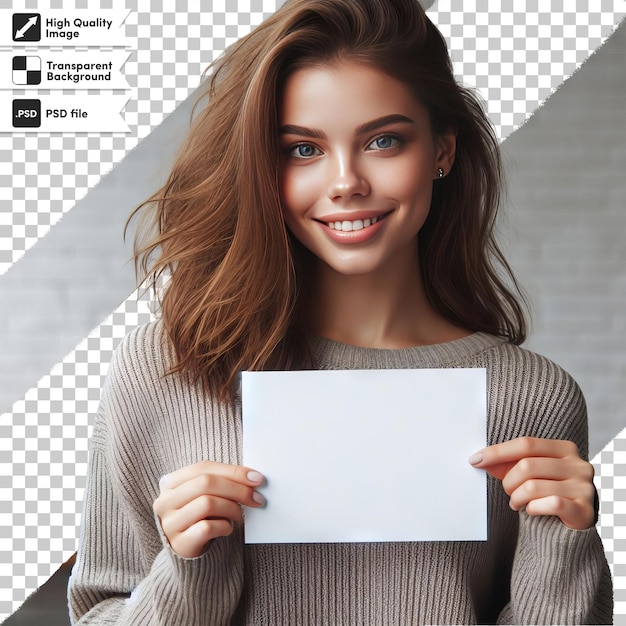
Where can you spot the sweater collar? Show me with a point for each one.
(330, 354)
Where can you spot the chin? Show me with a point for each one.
(353, 268)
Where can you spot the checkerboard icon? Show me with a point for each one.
(26, 70)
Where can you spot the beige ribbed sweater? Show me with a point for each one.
(531, 569)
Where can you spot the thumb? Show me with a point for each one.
(497, 470)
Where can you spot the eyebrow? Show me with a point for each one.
(368, 127)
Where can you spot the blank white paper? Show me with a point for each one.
(366, 455)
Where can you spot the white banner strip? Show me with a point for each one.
(45, 69)
(73, 113)
(63, 27)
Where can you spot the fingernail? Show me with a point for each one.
(476, 458)
(258, 498)
(255, 477)
(164, 480)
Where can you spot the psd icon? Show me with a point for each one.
(26, 70)
(26, 113)
(26, 27)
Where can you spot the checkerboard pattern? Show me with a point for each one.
(26, 70)
(516, 57)
(43, 457)
(515, 60)
(610, 480)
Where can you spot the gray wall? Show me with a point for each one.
(566, 224)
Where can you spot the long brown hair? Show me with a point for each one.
(238, 280)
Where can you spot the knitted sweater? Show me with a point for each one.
(530, 570)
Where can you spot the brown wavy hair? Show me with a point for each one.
(238, 280)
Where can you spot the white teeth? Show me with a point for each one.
(347, 226)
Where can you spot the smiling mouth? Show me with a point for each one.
(350, 225)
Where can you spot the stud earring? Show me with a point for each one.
(440, 172)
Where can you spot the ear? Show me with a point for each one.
(445, 145)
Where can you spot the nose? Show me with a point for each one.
(346, 178)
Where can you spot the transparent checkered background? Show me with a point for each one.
(518, 57)
(515, 59)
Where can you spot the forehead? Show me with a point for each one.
(345, 92)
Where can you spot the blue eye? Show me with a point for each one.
(384, 142)
(304, 151)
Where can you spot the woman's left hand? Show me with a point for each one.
(547, 476)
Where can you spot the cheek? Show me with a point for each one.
(297, 193)
(287, 197)
(415, 181)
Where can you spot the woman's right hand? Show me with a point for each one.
(200, 502)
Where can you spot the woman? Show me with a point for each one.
(333, 208)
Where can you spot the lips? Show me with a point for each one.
(335, 222)
(363, 226)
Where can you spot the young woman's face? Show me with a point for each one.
(357, 166)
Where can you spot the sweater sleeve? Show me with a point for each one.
(559, 575)
(125, 572)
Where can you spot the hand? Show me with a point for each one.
(547, 476)
(200, 502)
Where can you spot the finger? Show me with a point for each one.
(193, 541)
(536, 489)
(499, 470)
(520, 448)
(573, 513)
(237, 473)
(206, 485)
(547, 469)
(204, 507)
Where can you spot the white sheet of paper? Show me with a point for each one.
(366, 455)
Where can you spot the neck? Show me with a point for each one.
(383, 309)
